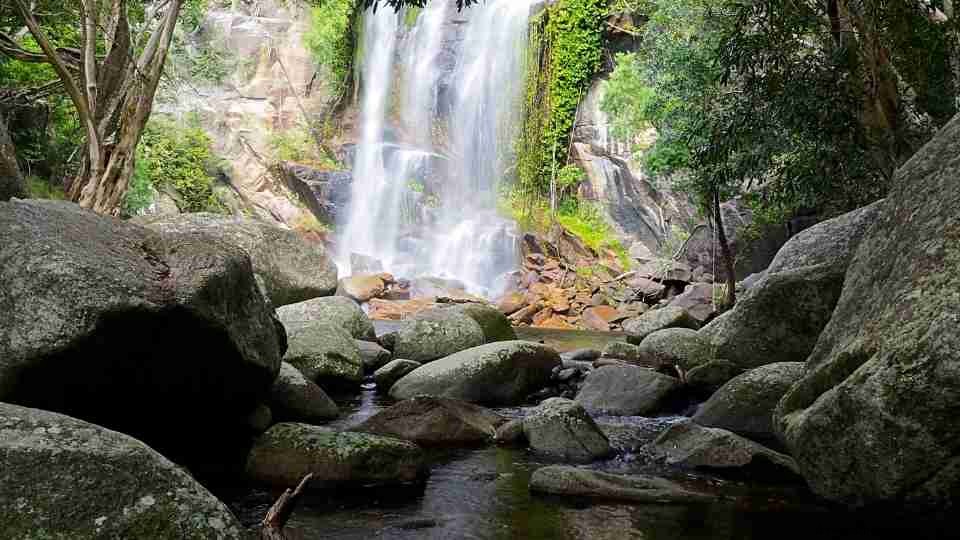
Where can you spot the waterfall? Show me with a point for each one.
(439, 108)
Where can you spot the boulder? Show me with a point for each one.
(689, 445)
(560, 428)
(372, 356)
(293, 398)
(697, 301)
(622, 351)
(64, 478)
(290, 268)
(745, 404)
(510, 433)
(676, 347)
(658, 319)
(874, 418)
(435, 333)
(392, 372)
(162, 336)
(625, 390)
(324, 353)
(287, 452)
(779, 319)
(511, 302)
(260, 419)
(336, 310)
(361, 288)
(501, 373)
(495, 325)
(435, 421)
(639, 488)
(711, 376)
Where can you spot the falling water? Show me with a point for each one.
(438, 111)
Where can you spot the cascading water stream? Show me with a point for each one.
(439, 106)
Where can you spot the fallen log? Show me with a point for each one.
(271, 528)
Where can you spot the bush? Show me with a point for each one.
(330, 39)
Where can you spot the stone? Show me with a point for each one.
(382, 309)
(65, 478)
(362, 288)
(697, 301)
(687, 444)
(433, 287)
(335, 310)
(501, 373)
(638, 488)
(646, 289)
(372, 355)
(510, 433)
(260, 419)
(511, 302)
(326, 193)
(290, 268)
(676, 347)
(625, 390)
(581, 355)
(293, 398)
(392, 372)
(711, 376)
(874, 418)
(657, 319)
(436, 333)
(495, 325)
(324, 353)
(623, 351)
(435, 421)
(560, 428)
(640, 252)
(288, 451)
(165, 337)
(745, 404)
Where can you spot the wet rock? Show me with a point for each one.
(874, 418)
(436, 333)
(435, 421)
(392, 372)
(574, 481)
(560, 428)
(625, 390)
(501, 373)
(689, 445)
(581, 355)
(711, 376)
(293, 398)
(335, 310)
(64, 478)
(657, 319)
(324, 353)
(326, 193)
(745, 404)
(362, 288)
(372, 356)
(495, 325)
(287, 452)
(676, 347)
(290, 268)
(510, 433)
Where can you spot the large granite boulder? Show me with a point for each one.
(287, 452)
(560, 428)
(324, 353)
(289, 268)
(435, 333)
(625, 390)
(680, 347)
(639, 328)
(874, 418)
(501, 373)
(162, 336)
(392, 372)
(745, 404)
(710, 377)
(293, 398)
(336, 310)
(578, 482)
(435, 421)
(362, 288)
(64, 478)
(495, 325)
(372, 355)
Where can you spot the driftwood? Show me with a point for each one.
(271, 528)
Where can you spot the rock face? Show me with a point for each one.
(326, 193)
(283, 455)
(574, 481)
(289, 268)
(562, 429)
(874, 419)
(501, 373)
(11, 179)
(745, 404)
(657, 319)
(161, 336)
(336, 310)
(64, 478)
(324, 353)
(495, 325)
(436, 333)
(688, 445)
(293, 398)
(625, 390)
(676, 347)
(433, 421)
(386, 376)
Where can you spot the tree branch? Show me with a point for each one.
(89, 27)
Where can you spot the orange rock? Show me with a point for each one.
(593, 321)
(396, 310)
(511, 302)
(542, 315)
(556, 322)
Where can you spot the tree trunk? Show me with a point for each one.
(11, 180)
(726, 256)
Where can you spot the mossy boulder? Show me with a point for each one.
(372, 355)
(711, 376)
(874, 418)
(324, 353)
(680, 347)
(502, 373)
(335, 310)
(561, 429)
(639, 328)
(623, 351)
(435, 333)
(294, 398)
(625, 390)
(435, 421)
(290, 268)
(386, 376)
(64, 478)
(494, 324)
(287, 452)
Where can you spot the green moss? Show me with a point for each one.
(331, 39)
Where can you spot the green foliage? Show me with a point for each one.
(41, 188)
(298, 146)
(585, 219)
(330, 38)
(139, 193)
